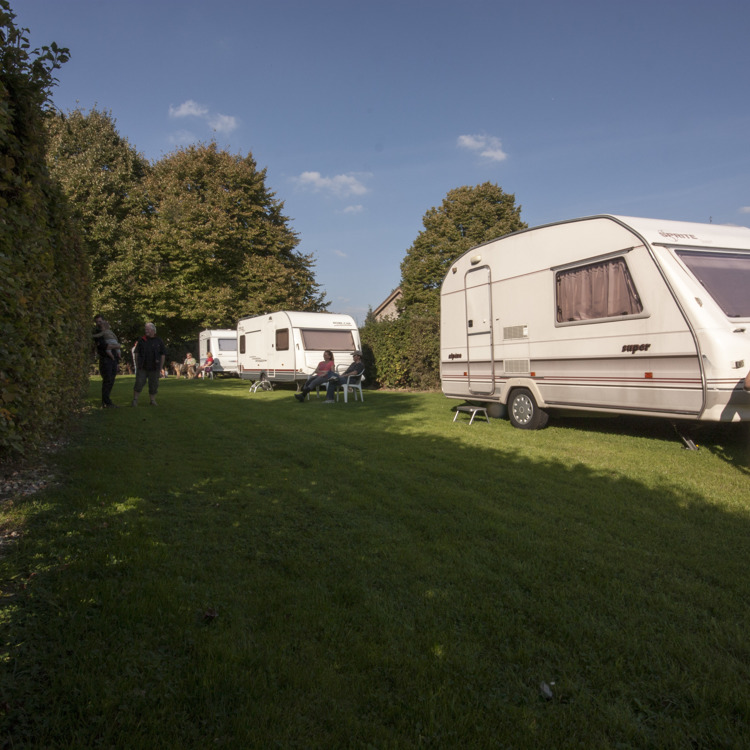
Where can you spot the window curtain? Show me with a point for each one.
(599, 290)
(341, 341)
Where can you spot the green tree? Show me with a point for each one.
(467, 217)
(406, 352)
(100, 173)
(209, 244)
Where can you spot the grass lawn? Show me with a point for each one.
(239, 570)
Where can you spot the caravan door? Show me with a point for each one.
(481, 365)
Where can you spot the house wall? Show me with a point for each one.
(387, 309)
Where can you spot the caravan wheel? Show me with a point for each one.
(523, 411)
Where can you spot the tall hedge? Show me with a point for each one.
(403, 353)
(44, 286)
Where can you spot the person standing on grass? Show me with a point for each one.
(109, 361)
(150, 354)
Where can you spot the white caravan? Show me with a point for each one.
(601, 314)
(222, 343)
(287, 346)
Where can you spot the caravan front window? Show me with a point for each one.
(336, 341)
(227, 345)
(726, 277)
(595, 291)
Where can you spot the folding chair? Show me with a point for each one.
(264, 384)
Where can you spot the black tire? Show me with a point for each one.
(523, 412)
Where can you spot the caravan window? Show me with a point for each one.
(282, 339)
(228, 345)
(242, 344)
(336, 341)
(595, 291)
(726, 277)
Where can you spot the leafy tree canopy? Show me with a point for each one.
(209, 244)
(194, 240)
(100, 173)
(467, 217)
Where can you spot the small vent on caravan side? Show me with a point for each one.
(515, 366)
(516, 332)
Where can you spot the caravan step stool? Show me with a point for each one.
(473, 410)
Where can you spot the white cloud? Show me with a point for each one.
(473, 142)
(745, 210)
(340, 254)
(217, 122)
(341, 185)
(188, 109)
(223, 123)
(354, 209)
(488, 146)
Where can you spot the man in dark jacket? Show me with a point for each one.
(150, 354)
(354, 371)
(109, 361)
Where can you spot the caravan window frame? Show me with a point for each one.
(630, 284)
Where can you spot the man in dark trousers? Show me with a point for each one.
(109, 361)
(355, 370)
(150, 354)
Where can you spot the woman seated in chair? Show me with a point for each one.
(205, 369)
(189, 365)
(322, 372)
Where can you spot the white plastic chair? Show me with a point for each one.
(355, 387)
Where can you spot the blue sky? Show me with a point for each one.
(365, 114)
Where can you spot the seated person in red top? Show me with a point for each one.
(206, 367)
(323, 371)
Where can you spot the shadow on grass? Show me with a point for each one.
(247, 571)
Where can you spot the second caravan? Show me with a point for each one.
(285, 347)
